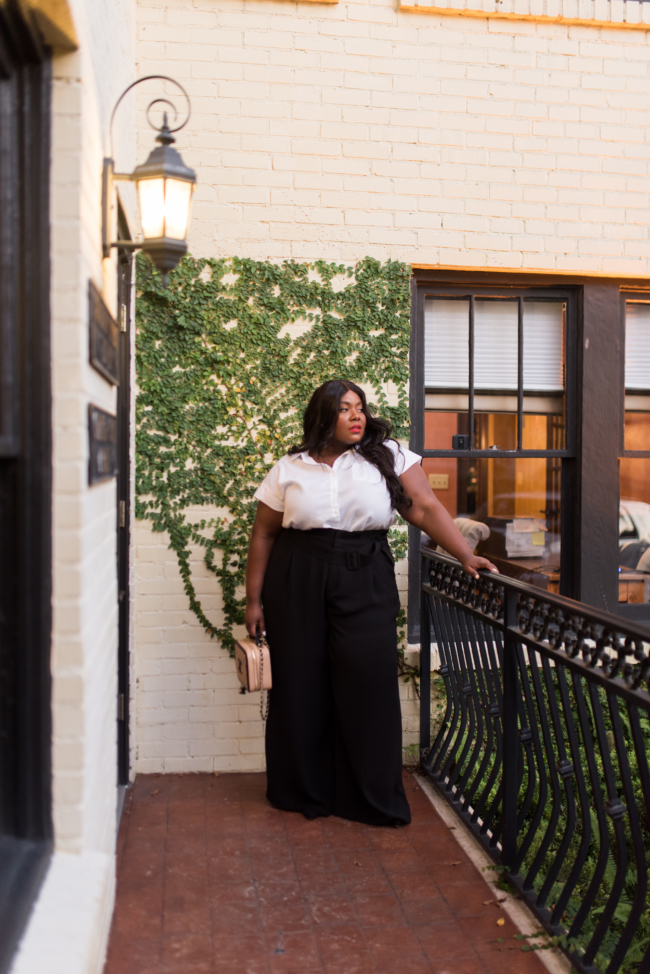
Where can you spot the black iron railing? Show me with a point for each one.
(541, 747)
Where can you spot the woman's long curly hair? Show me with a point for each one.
(319, 423)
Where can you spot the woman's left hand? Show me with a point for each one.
(474, 562)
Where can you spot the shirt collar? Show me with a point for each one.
(304, 456)
(341, 462)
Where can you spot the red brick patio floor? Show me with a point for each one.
(212, 880)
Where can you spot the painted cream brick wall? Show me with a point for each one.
(357, 128)
(341, 130)
(86, 84)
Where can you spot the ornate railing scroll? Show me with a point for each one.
(542, 749)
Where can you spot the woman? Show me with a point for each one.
(320, 582)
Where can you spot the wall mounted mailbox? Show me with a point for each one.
(104, 336)
(102, 439)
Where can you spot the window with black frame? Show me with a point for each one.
(634, 464)
(496, 427)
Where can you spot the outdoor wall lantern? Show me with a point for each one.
(165, 186)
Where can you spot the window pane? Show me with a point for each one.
(637, 346)
(446, 343)
(544, 346)
(496, 431)
(518, 500)
(495, 345)
(637, 376)
(543, 431)
(440, 427)
(544, 342)
(637, 423)
(634, 530)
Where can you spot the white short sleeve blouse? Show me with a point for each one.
(351, 495)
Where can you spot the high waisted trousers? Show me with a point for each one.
(334, 734)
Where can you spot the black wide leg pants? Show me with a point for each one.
(334, 734)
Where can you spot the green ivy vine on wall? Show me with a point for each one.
(223, 380)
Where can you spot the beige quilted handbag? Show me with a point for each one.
(253, 662)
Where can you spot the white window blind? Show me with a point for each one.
(637, 346)
(544, 346)
(446, 336)
(495, 345)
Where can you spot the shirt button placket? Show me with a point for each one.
(336, 518)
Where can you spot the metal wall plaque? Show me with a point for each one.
(102, 438)
(104, 337)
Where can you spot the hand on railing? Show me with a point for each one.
(473, 563)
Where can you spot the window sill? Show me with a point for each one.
(69, 924)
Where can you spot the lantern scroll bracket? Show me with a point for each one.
(165, 186)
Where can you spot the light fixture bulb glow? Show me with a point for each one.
(178, 199)
(151, 193)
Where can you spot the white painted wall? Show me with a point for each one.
(87, 83)
(69, 925)
(355, 128)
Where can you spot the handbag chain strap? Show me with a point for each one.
(260, 645)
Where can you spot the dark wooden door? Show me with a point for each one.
(25, 475)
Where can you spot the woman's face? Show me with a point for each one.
(351, 423)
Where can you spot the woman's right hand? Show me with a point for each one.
(267, 526)
(254, 619)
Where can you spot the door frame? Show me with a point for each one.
(124, 272)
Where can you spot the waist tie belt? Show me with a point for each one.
(352, 560)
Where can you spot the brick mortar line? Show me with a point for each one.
(553, 960)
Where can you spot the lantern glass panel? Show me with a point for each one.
(178, 198)
(151, 193)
